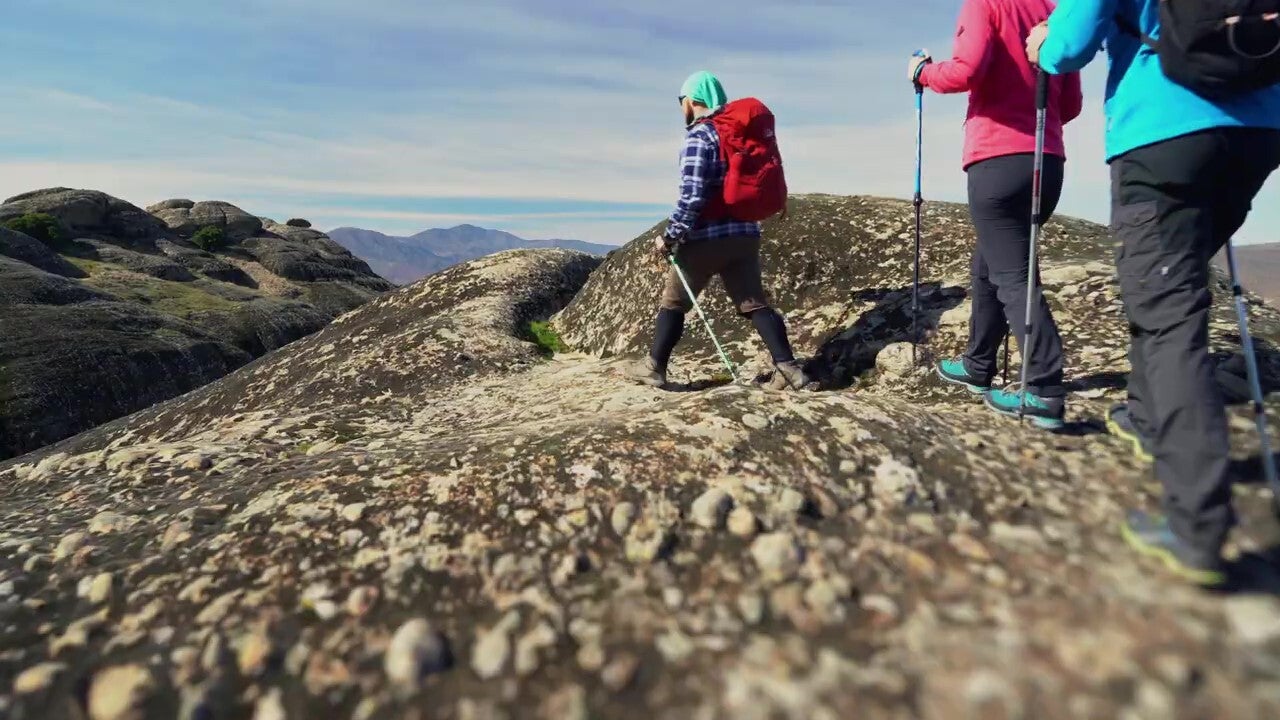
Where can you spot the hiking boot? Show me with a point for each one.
(789, 376)
(646, 372)
(954, 372)
(1120, 424)
(1151, 535)
(1044, 413)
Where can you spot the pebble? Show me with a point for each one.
(99, 589)
(270, 706)
(490, 653)
(791, 504)
(777, 555)
(591, 656)
(623, 516)
(893, 481)
(751, 605)
(68, 545)
(674, 646)
(1016, 536)
(620, 672)
(970, 548)
(361, 600)
(107, 522)
(1255, 619)
(755, 422)
(711, 509)
(647, 542)
(353, 512)
(742, 523)
(254, 655)
(531, 645)
(120, 693)
(37, 678)
(416, 650)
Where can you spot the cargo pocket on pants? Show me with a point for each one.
(1139, 256)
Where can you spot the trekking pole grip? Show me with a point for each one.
(1042, 89)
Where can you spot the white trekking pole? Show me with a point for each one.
(1042, 103)
(724, 357)
(1255, 380)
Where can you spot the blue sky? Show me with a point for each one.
(548, 118)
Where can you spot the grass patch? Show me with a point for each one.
(181, 300)
(546, 338)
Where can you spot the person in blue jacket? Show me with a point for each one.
(1184, 172)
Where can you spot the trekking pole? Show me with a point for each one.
(1042, 103)
(1005, 380)
(918, 201)
(724, 357)
(1255, 379)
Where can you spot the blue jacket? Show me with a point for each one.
(1142, 105)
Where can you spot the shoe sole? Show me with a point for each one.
(1043, 423)
(1114, 428)
(1204, 578)
(975, 389)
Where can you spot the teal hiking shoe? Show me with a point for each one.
(1120, 424)
(952, 371)
(1151, 535)
(1044, 413)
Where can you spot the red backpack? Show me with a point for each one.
(754, 186)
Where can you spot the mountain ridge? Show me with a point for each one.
(404, 259)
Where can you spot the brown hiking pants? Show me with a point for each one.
(735, 259)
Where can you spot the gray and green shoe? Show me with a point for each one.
(954, 372)
(1150, 535)
(1044, 413)
(1120, 424)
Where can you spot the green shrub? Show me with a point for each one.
(41, 226)
(209, 238)
(546, 338)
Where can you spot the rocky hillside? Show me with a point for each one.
(404, 260)
(122, 308)
(1259, 269)
(415, 513)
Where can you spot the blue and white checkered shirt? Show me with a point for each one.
(702, 174)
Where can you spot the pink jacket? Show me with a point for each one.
(990, 63)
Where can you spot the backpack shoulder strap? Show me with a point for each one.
(1130, 28)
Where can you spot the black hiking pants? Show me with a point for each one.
(1000, 206)
(1174, 205)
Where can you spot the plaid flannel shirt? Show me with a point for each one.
(702, 174)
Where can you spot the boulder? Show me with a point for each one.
(21, 283)
(35, 253)
(156, 266)
(186, 221)
(298, 223)
(206, 264)
(87, 213)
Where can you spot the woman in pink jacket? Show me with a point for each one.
(990, 63)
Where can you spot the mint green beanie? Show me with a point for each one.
(703, 87)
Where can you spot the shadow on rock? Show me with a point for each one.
(851, 350)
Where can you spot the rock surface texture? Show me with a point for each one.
(123, 312)
(414, 513)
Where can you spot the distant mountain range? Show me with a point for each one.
(1259, 269)
(404, 260)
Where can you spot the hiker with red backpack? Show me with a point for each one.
(1193, 132)
(730, 179)
(989, 62)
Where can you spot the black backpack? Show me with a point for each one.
(1216, 48)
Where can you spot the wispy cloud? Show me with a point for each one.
(554, 116)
